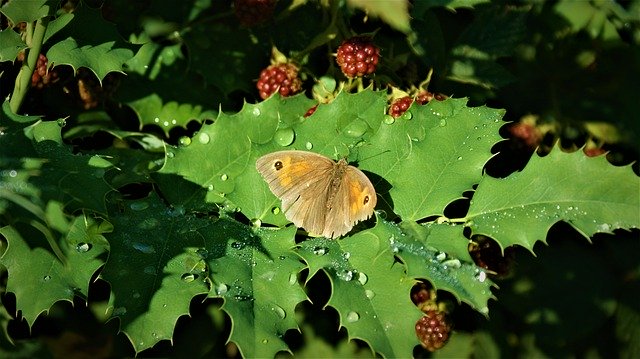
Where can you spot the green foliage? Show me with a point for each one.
(147, 182)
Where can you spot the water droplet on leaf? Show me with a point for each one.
(284, 136)
(353, 317)
(83, 247)
(204, 138)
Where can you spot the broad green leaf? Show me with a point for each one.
(370, 292)
(428, 157)
(155, 267)
(423, 5)
(393, 12)
(101, 50)
(38, 278)
(594, 17)
(447, 266)
(10, 45)
(257, 276)
(28, 10)
(587, 192)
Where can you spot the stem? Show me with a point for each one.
(23, 80)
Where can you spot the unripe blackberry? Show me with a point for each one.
(280, 77)
(400, 106)
(357, 56)
(41, 75)
(526, 133)
(253, 12)
(425, 96)
(433, 330)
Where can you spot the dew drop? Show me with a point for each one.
(184, 141)
(256, 111)
(62, 122)
(407, 115)
(481, 276)
(293, 278)
(188, 277)
(362, 278)
(237, 245)
(308, 145)
(210, 187)
(369, 293)
(83, 247)
(265, 341)
(320, 251)
(346, 255)
(443, 122)
(356, 128)
(166, 123)
(284, 136)
(459, 158)
(275, 210)
(345, 275)
(46, 278)
(279, 311)
(440, 256)
(222, 289)
(204, 138)
(389, 120)
(13, 173)
(139, 206)
(156, 120)
(170, 154)
(256, 222)
(353, 317)
(224, 177)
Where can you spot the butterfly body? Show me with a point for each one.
(318, 194)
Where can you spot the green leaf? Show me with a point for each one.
(431, 155)
(587, 192)
(257, 275)
(10, 45)
(101, 50)
(155, 268)
(393, 12)
(28, 10)
(38, 278)
(370, 292)
(437, 252)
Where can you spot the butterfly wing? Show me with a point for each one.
(301, 180)
(354, 201)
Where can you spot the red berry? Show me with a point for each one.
(310, 111)
(357, 56)
(594, 151)
(400, 106)
(526, 133)
(433, 330)
(422, 293)
(41, 75)
(282, 78)
(487, 254)
(426, 96)
(253, 12)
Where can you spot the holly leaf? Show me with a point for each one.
(587, 192)
(370, 292)
(10, 45)
(101, 50)
(257, 276)
(394, 13)
(38, 277)
(429, 156)
(155, 267)
(28, 11)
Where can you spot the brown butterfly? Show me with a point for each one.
(318, 194)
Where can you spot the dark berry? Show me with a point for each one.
(253, 12)
(425, 96)
(310, 111)
(421, 293)
(357, 56)
(282, 78)
(400, 106)
(41, 75)
(487, 254)
(526, 133)
(433, 330)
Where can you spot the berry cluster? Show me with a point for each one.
(358, 56)
(280, 77)
(434, 327)
(487, 254)
(400, 105)
(41, 75)
(253, 12)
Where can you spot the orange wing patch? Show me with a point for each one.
(292, 170)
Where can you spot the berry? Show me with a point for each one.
(253, 12)
(280, 77)
(311, 111)
(357, 56)
(422, 293)
(594, 151)
(426, 96)
(41, 75)
(433, 330)
(400, 106)
(526, 133)
(486, 253)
